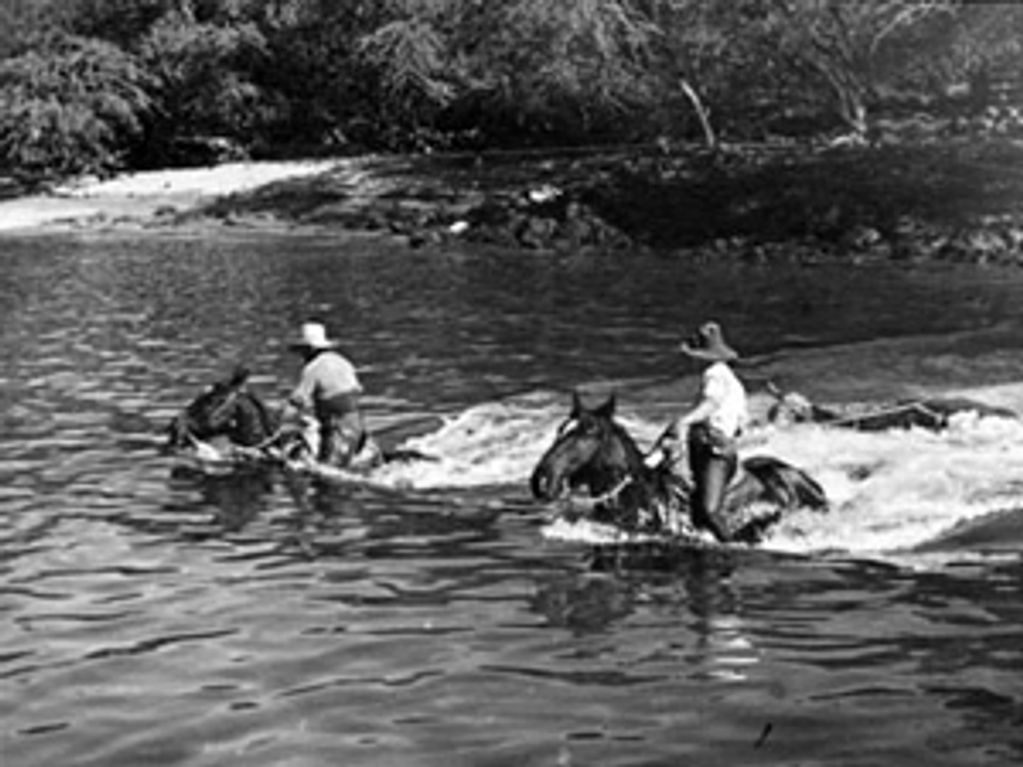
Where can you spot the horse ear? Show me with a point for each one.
(577, 405)
(239, 376)
(607, 410)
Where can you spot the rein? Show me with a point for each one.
(275, 437)
(229, 401)
(611, 495)
(614, 492)
(669, 519)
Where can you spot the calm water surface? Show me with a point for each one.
(150, 617)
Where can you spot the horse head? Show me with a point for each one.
(790, 408)
(590, 450)
(224, 409)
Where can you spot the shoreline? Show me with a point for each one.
(942, 202)
(146, 200)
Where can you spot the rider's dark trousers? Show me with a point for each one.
(342, 432)
(340, 439)
(712, 464)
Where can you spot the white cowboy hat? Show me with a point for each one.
(708, 343)
(314, 336)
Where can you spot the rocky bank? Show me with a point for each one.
(956, 200)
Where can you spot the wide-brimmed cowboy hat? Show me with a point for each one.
(313, 336)
(708, 343)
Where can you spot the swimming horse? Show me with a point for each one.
(254, 432)
(593, 451)
(225, 409)
(934, 414)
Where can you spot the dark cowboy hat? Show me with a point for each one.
(314, 336)
(708, 343)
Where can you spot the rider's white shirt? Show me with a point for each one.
(327, 375)
(722, 388)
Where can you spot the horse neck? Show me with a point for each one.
(254, 422)
(623, 461)
(268, 420)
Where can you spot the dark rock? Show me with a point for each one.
(947, 199)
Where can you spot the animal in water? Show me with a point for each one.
(225, 409)
(594, 453)
(228, 409)
(934, 413)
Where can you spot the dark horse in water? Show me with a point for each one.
(229, 409)
(225, 409)
(594, 452)
(934, 414)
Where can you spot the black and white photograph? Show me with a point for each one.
(519, 383)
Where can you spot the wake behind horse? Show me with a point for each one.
(594, 452)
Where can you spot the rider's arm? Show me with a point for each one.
(711, 394)
(703, 410)
(301, 398)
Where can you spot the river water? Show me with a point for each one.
(435, 617)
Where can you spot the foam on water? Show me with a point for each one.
(495, 443)
(889, 491)
(491, 444)
(896, 490)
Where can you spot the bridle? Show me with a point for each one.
(663, 509)
(229, 401)
(608, 496)
(184, 422)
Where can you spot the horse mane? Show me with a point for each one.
(268, 418)
(634, 454)
(605, 413)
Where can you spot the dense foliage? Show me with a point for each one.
(88, 85)
(76, 107)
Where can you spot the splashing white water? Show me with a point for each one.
(494, 443)
(898, 489)
(889, 491)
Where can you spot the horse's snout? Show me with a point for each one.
(542, 484)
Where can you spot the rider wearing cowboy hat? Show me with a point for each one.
(712, 426)
(329, 389)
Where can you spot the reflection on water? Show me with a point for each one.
(154, 615)
(702, 580)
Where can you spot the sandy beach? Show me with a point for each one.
(140, 199)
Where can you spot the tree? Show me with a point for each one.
(406, 61)
(560, 68)
(204, 74)
(123, 22)
(70, 107)
(847, 49)
(984, 44)
(694, 55)
(312, 62)
(21, 21)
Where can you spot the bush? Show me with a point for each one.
(70, 107)
(205, 83)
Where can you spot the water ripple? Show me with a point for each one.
(151, 617)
